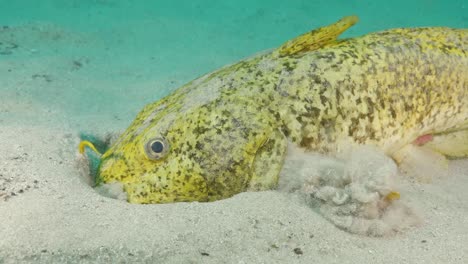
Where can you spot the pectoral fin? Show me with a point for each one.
(427, 157)
(452, 145)
(317, 38)
(268, 162)
(421, 162)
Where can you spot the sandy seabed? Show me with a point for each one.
(49, 214)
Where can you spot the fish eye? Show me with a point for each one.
(156, 148)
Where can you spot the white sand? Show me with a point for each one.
(58, 82)
(60, 218)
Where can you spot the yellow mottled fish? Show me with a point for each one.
(228, 131)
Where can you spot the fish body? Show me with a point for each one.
(228, 131)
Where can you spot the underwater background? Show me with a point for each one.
(108, 58)
(72, 66)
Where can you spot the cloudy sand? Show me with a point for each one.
(49, 214)
(74, 67)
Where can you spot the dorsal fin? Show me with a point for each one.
(317, 38)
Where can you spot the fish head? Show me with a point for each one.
(205, 153)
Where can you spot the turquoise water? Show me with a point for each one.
(106, 59)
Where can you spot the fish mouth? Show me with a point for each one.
(98, 170)
(96, 173)
(91, 147)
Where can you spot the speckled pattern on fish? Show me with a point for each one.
(228, 131)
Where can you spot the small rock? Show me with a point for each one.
(298, 251)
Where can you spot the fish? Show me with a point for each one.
(228, 131)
